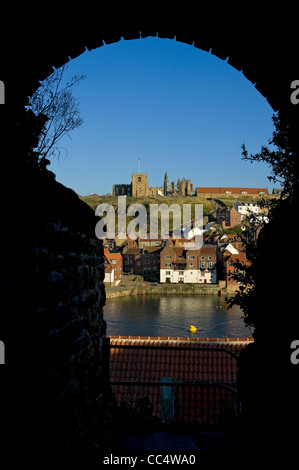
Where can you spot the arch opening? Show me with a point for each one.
(129, 100)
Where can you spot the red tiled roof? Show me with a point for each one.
(116, 256)
(211, 365)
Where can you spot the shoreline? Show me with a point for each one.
(169, 289)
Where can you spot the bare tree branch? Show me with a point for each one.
(55, 100)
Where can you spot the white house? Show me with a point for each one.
(178, 265)
(247, 209)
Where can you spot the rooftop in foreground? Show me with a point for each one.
(201, 374)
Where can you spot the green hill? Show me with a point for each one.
(209, 205)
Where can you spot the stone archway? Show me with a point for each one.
(28, 53)
(251, 42)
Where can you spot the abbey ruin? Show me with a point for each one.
(139, 187)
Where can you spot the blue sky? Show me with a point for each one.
(175, 107)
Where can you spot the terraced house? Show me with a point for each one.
(143, 261)
(178, 265)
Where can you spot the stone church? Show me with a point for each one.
(139, 187)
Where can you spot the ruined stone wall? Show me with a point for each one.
(122, 190)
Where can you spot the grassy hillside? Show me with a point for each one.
(209, 208)
(94, 201)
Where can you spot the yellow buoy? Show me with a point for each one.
(192, 328)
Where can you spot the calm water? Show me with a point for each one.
(153, 315)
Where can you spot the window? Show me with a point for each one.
(210, 257)
(211, 264)
(138, 263)
(181, 273)
(139, 179)
(191, 265)
(202, 265)
(181, 279)
(167, 257)
(167, 265)
(180, 257)
(168, 273)
(191, 257)
(147, 261)
(113, 261)
(202, 257)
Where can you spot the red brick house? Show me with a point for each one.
(228, 217)
(143, 261)
(181, 266)
(229, 260)
(132, 261)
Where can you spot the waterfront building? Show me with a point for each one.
(143, 261)
(182, 266)
(229, 255)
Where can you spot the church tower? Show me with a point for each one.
(140, 185)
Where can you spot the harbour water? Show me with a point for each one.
(172, 315)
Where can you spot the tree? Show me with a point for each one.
(54, 99)
(260, 276)
(267, 381)
(280, 158)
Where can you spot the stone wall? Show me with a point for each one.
(170, 289)
(52, 324)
